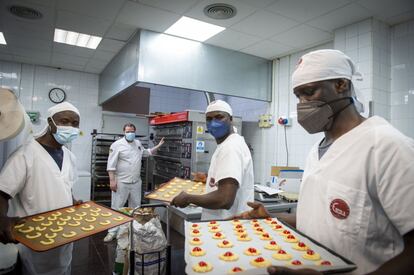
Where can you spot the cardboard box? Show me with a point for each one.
(275, 170)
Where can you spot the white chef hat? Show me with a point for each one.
(219, 105)
(324, 65)
(61, 107)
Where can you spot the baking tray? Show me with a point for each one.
(169, 190)
(209, 245)
(69, 221)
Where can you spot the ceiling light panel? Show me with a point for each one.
(77, 39)
(2, 40)
(193, 29)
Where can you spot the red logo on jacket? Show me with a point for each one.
(339, 209)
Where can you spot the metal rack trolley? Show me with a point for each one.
(167, 248)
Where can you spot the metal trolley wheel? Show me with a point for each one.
(167, 249)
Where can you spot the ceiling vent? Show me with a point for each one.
(220, 11)
(25, 12)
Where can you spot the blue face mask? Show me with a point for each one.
(218, 128)
(65, 134)
(130, 136)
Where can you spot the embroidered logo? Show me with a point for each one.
(339, 209)
(212, 182)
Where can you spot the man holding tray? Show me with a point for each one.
(230, 177)
(38, 177)
(358, 187)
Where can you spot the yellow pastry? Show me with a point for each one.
(52, 218)
(96, 210)
(189, 190)
(219, 236)
(195, 226)
(260, 262)
(252, 251)
(61, 223)
(256, 225)
(70, 210)
(74, 223)
(152, 196)
(300, 246)
(161, 189)
(119, 218)
(105, 222)
(65, 219)
(295, 262)
(86, 205)
(166, 196)
(57, 229)
(188, 181)
(169, 187)
(240, 232)
(39, 228)
(82, 214)
(273, 223)
(235, 221)
(106, 214)
(282, 255)
(259, 231)
(69, 235)
(244, 238)
(197, 252)
(291, 239)
(214, 229)
(212, 223)
(202, 267)
(254, 221)
(93, 214)
(285, 233)
(266, 237)
(46, 223)
(278, 227)
(235, 270)
(88, 228)
(238, 227)
(17, 226)
(225, 244)
(229, 256)
(323, 262)
(27, 230)
(34, 236)
(48, 242)
(196, 241)
(272, 245)
(38, 219)
(311, 255)
(77, 218)
(91, 219)
(194, 188)
(195, 233)
(171, 192)
(50, 236)
(57, 214)
(268, 220)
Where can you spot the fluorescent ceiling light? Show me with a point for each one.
(2, 40)
(77, 39)
(193, 29)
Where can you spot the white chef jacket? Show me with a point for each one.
(125, 158)
(232, 159)
(357, 199)
(36, 184)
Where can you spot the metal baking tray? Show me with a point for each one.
(59, 225)
(338, 263)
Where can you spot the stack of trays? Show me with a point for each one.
(169, 190)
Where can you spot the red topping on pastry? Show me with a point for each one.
(236, 220)
(195, 225)
(259, 260)
(273, 243)
(243, 236)
(197, 249)
(273, 222)
(281, 251)
(326, 263)
(196, 231)
(259, 229)
(228, 254)
(240, 231)
(239, 226)
(300, 244)
(310, 252)
(237, 269)
(296, 262)
(290, 237)
(196, 239)
(265, 235)
(202, 263)
(286, 232)
(214, 227)
(254, 220)
(225, 242)
(268, 219)
(256, 225)
(218, 234)
(252, 250)
(278, 226)
(213, 222)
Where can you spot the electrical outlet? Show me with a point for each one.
(285, 121)
(265, 121)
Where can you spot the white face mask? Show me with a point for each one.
(65, 134)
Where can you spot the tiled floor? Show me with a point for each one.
(92, 256)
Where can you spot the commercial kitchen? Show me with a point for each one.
(203, 136)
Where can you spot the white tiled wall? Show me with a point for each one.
(32, 84)
(402, 77)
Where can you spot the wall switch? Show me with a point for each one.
(265, 121)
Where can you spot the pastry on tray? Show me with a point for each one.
(212, 223)
(291, 239)
(195, 233)
(214, 229)
(260, 262)
(235, 221)
(282, 255)
(268, 220)
(285, 233)
(225, 244)
(311, 255)
(240, 232)
(236, 269)
(219, 236)
(197, 252)
(202, 267)
(277, 227)
(295, 262)
(229, 256)
(195, 226)
(266, 237)
(323, 262)
(259, 231)
(196, 241)
(251, 251)
(272, 245)
(238, 227)
(300, 246)
(244, 238)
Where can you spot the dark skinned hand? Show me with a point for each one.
(6, 225)
(258, 212)
(278, 270)
(181, 200)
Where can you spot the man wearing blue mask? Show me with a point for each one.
(38, 177)
(230, 178)
(124, 169)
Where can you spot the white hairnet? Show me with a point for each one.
(61, 107)
(219, 105)
(324, 65)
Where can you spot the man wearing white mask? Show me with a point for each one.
(358, 185)
(230, 178)
(124, 169)
(38, 177)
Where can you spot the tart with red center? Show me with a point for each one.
(300, 246)
(265, 237)
(196, 241)
(277, 227)
(324, 262)
(212, 223)
(197, 252)
(254, 221)
(244, 238)
(251, 251)
(195, 226)
(272, 245)
(214, 229)
(291, 239)
(260, 262)
(238, 227)
(311, 255)
(296, 262)
(282, 255)
(236, 269)
(218, 236)
(259, 231)
(268, 220)
(273, 223)
(240, 232)
(235, 221)
(256, 225)
(195, 233)
(285, 233)
(229, 256)
(225, 244)
(202, 267)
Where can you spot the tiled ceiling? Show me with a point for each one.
(265, 28)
